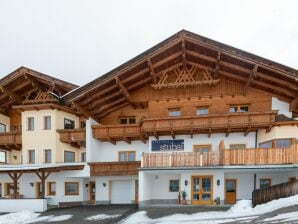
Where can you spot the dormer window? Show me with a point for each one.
(238, 108)
(127, 120)
(174, 112)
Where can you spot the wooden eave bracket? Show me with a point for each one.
(293, 104)
(152, 72)
(253, 75)
(15, 97)
(83, 111)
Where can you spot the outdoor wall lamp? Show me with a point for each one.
(104, 184)
(218, 182)
(86, 185)
(31, 184)
(186, 182)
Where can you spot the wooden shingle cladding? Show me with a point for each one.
(115, 89)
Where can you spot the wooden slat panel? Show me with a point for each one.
(114, 168)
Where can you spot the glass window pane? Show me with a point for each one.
(243, 109)
(265, 183)
(237, 146)
(47, 123)
(2, 128)
(233, 109)
(69, 124)
(123, 156)
(2, 157)
(174, 186)
(206, 197)
(230, 186)
(83, 157)
(196, 184)
(132, 120)
(71, 188)
(131, 156)
(196, 197)
(266, 145)
(282, 143)
(202, 111)
(48, 156)
(174, 112)
(206, 184)
(31, 155)
(30, 123)
(69, 156)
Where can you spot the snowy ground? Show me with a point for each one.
(279, 211)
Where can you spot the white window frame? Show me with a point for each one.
(43, 122)
(27, 124)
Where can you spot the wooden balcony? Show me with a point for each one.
(208, 124)
(74, 137)
(204, 124)
(113, 133)
(223, 157)
(114, 168)
(11, 140)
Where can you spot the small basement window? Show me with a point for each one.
(238, 108)
(265, 183)
(174, 112)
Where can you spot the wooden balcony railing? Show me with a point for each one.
(114, 133)
(72, 135)
(223, 157)
(208, 124)
(11, 140)
(114, 168)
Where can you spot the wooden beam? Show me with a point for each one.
(252, 75)
(183, 54)
(122, 88)
(152, 72)
(113, 109)
(217, 63)
(108, 106)
(293, 104)
(83, 111)
(15, 97)
(34, 83)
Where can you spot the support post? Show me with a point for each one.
(255, 181)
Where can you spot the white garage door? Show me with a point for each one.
(121, 192)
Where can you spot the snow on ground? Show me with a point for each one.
(285, 217)
(26, 217)
(101, 217)
(242, 209)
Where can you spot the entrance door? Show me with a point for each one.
(38, 190)
(202, 190)
(231, 191)
(92, 192)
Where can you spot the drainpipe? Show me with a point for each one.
(256, 139)
(255, 175)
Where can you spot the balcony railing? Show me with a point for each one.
(208, 124)
(72, 135)
(223, 157)
(11, 140)
(114, 168)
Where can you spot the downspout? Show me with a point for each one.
(255, 175)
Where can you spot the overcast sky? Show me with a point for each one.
(78, 41)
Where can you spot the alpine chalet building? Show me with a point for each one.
(189, 117)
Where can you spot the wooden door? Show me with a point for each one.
(38, 190)
(136, 191)
(92, 191)
(202, 190)
(231, 191)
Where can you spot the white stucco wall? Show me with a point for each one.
(288, 131)
(282, 107)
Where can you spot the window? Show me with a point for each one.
(47, 155)
(83, 157)
(51, 188)
(2, 128)
(9, 188)
(276, 143)
(47, 123)
(31, 156)
(2, 157)
(71, 188)
(174, 112)
(174, 186)
(282, 143)
(127, 120)
(69, 124)
(30, 124)
(238, 108)
(83, 124)
(202, 111)
(237, 146)
(127, 156)
(266, 145)
(69, 156)
(265, 183)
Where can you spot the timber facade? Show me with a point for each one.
(190, 115)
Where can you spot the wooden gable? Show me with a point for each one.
(184, 63)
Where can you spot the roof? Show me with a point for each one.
(24, 84)
(187, 47)
(56, 167)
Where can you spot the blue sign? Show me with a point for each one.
(167, 145)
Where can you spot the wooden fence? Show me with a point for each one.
(283, 190)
